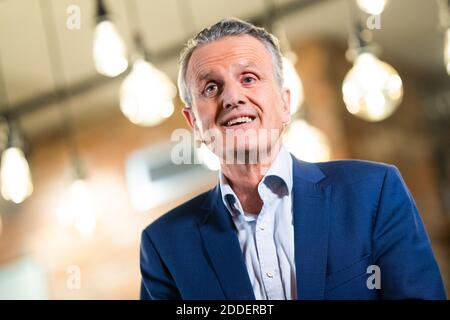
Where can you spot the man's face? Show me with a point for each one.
(235, 93)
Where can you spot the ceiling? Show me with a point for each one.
(409, 33)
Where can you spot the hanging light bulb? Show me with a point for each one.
(447, 50)
(208, 158)
(110, 56)
(292, 81)
(444, 22)
(146, 95)
(372, 89)
(16, 184)
(306, 142)
(374, 7)
(77, 208)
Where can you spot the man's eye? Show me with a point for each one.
(248, 79)
(211, 89)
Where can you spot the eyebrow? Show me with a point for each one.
(205, 76)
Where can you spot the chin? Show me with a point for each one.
(248, 152)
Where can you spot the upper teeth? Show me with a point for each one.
(240, 119)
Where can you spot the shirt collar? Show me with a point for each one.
(279, 172)
(282, 168)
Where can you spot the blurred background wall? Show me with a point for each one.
(100, 167)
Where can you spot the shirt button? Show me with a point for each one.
(269, 274)
(261, 227)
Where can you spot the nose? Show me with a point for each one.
(232, 96)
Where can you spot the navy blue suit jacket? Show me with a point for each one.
(348, 215)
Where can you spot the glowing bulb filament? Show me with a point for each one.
(372, 89)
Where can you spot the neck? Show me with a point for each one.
(244, 180)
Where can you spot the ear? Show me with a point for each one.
(189, 116)
(286, 105)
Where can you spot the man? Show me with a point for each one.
(277, 227)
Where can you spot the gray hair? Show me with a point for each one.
(224, 28)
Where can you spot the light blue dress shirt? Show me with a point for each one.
(267, 239)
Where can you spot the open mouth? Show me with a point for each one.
(239, 120)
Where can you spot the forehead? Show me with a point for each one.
(228, 52)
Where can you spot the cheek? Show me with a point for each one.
(262, 97)
(271, 104)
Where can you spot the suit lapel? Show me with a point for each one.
(222, 245)
(311, 209)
